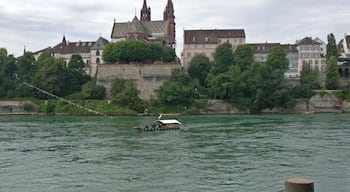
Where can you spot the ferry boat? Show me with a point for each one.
(166, 124)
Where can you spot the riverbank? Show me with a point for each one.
(326, 103)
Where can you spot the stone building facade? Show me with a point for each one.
(146, 29)
(206, 41)
(148, 77)
(312, 52)
(90, 51)
(262, 50)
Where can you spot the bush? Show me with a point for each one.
(28, 107)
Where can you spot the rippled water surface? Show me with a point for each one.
(209, 153)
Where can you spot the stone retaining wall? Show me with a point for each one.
(148, 77)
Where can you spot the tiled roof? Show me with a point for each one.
(341, 46)
(100, 44)
(121, 30)
(289, 48)
(211, 36)
(265, 47)
(73, 47)
(348, 40)
(308, 41)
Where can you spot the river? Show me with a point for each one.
(244, 153)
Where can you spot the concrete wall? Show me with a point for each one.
(13, 107)
(148, 77)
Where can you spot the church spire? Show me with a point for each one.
(169, 10)
(145, 12)
(169, 16)
(64, 40)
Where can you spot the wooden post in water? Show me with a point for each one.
(299, 185)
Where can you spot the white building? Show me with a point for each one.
(262, 50)
(312, 52)
(90, 51)
(344, 47)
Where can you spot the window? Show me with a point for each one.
(189, 55)
(97, 53)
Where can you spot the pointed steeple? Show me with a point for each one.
(169, 10)
(169, 16)
(64, 40)
(145, 12)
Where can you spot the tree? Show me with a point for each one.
(110, 53)
(308, 83)
(269, 87)
(25, 66)
(244, 56)
(92, 91)
(51, 78)
(154, 52)
(137, 51)
(225, 85)
(332, 76)
(76, 63)
(223, 57)
(168, 54)
(7, 74)
(118, 85)
(178, 90)
(199, 68)
(129, 97)
(331, 47)
(277, 59)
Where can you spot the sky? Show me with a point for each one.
(37, 24)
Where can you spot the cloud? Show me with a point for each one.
(38, 24)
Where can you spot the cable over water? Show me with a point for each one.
(62, 99)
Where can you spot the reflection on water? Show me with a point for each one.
(209, 153)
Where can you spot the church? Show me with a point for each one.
(146, 29)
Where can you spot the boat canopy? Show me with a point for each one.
(169, 121)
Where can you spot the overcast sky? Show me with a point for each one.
(38, 24)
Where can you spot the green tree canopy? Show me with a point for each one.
(178, 90)
(76, 63)
(169, 54)
(223, 58)
(277, 59)
(25, 66)
(244, 56)
(332, 76)
(331, 47)
(92, 91)
(51, 78)
(308, 83)
(129, 97)
(199, 68)
(125, 94)
(118, 85)
(136, 51)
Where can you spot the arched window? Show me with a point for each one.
(98, 61)
(97, 53)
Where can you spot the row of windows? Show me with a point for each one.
(310, 48)
(316, 62)
(310, 55)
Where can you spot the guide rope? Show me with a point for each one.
(62, 99)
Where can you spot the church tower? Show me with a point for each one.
(145, 12)
(170, 17)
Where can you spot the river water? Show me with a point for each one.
(209, 153)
